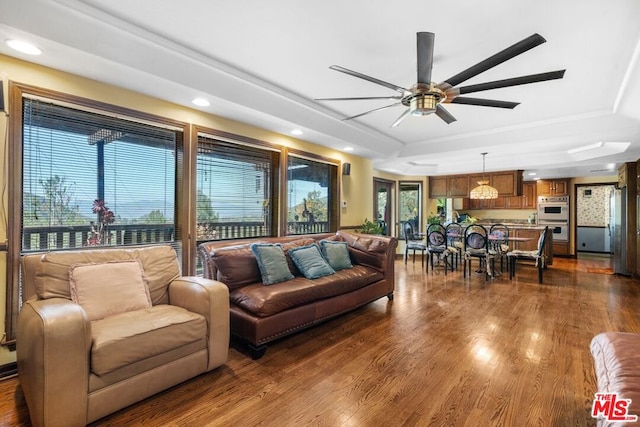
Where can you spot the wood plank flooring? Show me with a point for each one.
(446, 351)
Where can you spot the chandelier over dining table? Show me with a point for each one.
(483, 191)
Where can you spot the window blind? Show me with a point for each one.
(237, 190)
(71, 158)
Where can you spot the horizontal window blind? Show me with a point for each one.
(237, 190)
(71, 158)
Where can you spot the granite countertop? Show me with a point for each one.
(513, 224)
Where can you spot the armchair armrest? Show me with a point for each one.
(53, 350)
(209, 298)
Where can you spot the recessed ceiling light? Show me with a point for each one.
(296, 132)
(348, 148)
(532, 174)
(201, 102)
(24, 47)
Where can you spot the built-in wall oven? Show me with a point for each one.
(553, 208)
(560, 231)
(553, 211)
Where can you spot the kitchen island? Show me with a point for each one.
(527, 231)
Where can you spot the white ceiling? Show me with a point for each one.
(265, 63)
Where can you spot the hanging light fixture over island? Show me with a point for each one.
(483, 191)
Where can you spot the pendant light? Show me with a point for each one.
(483, 191)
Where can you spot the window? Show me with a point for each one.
(311, 196)
(383, 201)
(91, 180)
(410, 204)
(237, 190)
(86, 174)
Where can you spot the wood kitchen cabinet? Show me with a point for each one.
(529, 195)
(508, 183)
(458, 186)
(437, 186)
(553, 187)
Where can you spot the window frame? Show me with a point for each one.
(334, 191)
(229, 138)
(14, 154)
(420, 185)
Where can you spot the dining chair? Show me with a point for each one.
(455, 240)
(536, 255)
(476, 245)
(499, 242)
(437, 245)
(412, 242)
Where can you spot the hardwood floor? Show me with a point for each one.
(446, 351)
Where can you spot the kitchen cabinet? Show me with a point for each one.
(437, 187)
(553, 187)
(508, 183)
(529, 195)
(458, 186)
(561, 248)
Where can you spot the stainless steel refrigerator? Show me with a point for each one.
(618, 229)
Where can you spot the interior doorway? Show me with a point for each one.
(593, 219)
(383, 198)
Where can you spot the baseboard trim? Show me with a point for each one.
(8, 370)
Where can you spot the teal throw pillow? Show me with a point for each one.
(272, 262)
(336, 254)
(310, 262)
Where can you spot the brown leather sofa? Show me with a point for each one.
(74, 370)
(261, 314)
(616, 357)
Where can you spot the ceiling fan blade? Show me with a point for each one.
(425, 56)
(401, 118)
(368, 78)
(365, 98)
(483, 102)
(523, 80)
(444, 114)
(373, 111)
(500, 57)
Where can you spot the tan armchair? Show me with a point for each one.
(84, 353)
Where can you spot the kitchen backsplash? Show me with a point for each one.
(593, 205)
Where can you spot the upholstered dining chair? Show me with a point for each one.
(412, 242)
(455, 241)
(499, 242)
(476, 245)
(537, 256)
(437, 245)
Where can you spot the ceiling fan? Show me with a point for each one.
(426, 97)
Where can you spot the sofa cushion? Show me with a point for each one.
(109, 288)
(336, 253)
(264, 301)
(310, 262)
(272, 262)
(133, 336)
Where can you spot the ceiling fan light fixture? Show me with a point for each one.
(424, 104)
(483, 191)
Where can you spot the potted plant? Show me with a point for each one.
(369, 227)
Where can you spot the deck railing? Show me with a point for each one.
(75, 236)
